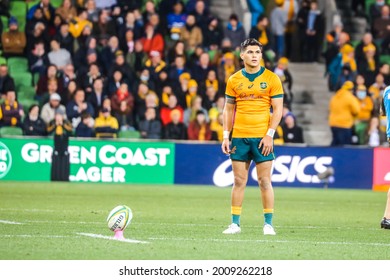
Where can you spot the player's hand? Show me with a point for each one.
(267, 145)
(225, 146)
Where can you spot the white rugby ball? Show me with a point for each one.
(119, 218)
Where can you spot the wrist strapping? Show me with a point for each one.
(271, 132)
(226, 134)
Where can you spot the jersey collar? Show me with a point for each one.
(253, 76)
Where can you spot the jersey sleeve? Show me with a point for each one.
(229, 92)
(276, 87)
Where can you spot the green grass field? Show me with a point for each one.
(185, 223)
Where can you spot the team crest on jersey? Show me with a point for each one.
(263, 85)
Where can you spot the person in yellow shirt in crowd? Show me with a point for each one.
(106, 126)
(344, 107)
(364, 116)
(77, 24)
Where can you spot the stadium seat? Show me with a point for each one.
(384, 59)
(32, 3)
(368, 4)
(17, 64)
(26, 103)
(25, 92)
(3, 60)
(129, 134)
(10, 131)
(22, 79)
(56, 3)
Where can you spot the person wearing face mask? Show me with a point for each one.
(364, 116)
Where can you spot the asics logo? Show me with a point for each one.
(250, 86)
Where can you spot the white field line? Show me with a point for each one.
(274, 241)
(110, 238)
(270, 241)
(197, 225)
(10, 222)
(33, 236)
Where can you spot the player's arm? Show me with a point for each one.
(228, 112)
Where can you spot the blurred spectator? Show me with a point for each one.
(235, 31)
(212, 35)
(51, 74)
(191, 34)
(368, 66)
(343, 108)
(152, 41)
(375, 11)
(165, 112)
(201, 70)
(177, 18)
(52, 87)
(210, 98)
(69, 92)
(106, 126)
(66, 10)
(373, 133)
(49, 108)
(64, 38)
(199, 128)
(278, 18)
(86, 127)
(68, 74)
(130, 23)
(122, 103)
(262, 33)
(150, 127)
(191, 92)
(363, 118)
(182, 90)
(284, 74)
(346, 56)
(313, 39)
(33, 125)
(177, 49)
(121, 65)
(137, 58)
(190, 113)
(346, 75)
(380, 28)
(77, 106)
(79, 23)
(92, 11)
(292, 7)
(7, 83)
(59, 125)
(292, 133)
(360, 53)
(216, 126)
(11, 112)
(58, 56)
(13, 41)
(104, 28)
(150, 10)
(201, 13)
(301, 22)
(211, 80)
(85, 81)
(176, 70)
(257, 9)
(37, 59)
(114, 82)
(108, 53)
(384, 69)
(82, 53)
(47, 9)
(155, 64)
(98, 94)
(376, 92)
(175, 129)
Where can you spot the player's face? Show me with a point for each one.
(251, 56)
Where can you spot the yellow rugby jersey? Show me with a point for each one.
(253, 94)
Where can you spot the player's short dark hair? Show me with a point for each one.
(250, 42)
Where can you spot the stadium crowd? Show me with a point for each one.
(158, 68)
